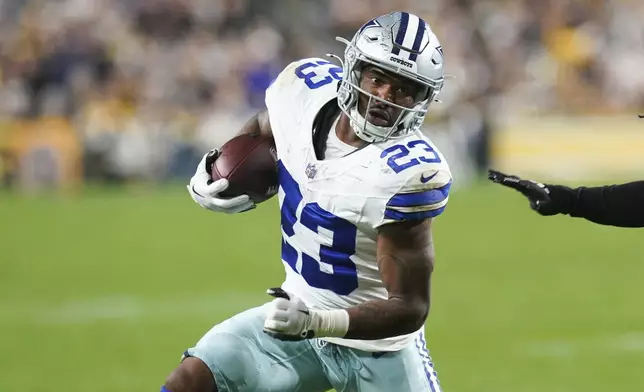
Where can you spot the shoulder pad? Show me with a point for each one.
(417, 200)
(419, 190)
(302, 81)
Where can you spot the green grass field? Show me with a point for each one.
(104, 292)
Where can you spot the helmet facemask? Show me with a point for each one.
(410, 118)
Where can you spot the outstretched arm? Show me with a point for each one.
(614, 205)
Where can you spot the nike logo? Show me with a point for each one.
(424, 179)
(197, 193)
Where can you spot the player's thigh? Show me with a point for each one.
(243, 358)
(408, 370)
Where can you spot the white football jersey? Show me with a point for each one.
(331, 209)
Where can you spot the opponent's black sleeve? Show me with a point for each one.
(614, 205)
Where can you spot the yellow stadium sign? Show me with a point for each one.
(591, 148)
(44, 153)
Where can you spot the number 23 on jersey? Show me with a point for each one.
(318, 73)
(330, 267)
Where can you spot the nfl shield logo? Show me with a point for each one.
(310, 171)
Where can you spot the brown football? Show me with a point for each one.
(249, 162)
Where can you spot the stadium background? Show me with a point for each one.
(108, 271)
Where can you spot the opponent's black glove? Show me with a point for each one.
(545, 199)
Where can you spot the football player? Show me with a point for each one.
(359, 188)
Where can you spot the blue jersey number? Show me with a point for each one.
(319, 73)
(398, 152)
(331, 268)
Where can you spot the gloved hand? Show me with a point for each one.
(205, 192)
(541, 197)
(287, 318)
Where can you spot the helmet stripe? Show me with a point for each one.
(402, 31)
(420, 34)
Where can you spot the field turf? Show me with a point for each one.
(103, 291)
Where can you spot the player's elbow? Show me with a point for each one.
(415, 314)
(419, 310)
(259, 124)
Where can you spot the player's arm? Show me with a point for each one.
(405, 256)
(614, 205)
(259, 124)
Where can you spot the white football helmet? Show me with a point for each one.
(399, 42)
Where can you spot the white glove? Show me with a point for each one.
(205, 192)
(288, 318)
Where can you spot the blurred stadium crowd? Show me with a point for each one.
(144, 87)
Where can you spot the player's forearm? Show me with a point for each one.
(372, 320)
(406, 272)
(615, 205)
(405, 261)
(382, 319)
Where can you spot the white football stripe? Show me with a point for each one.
(410, 34)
